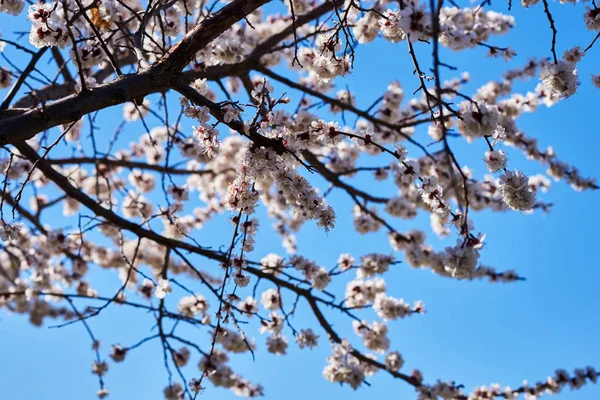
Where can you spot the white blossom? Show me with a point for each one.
(162, 289)
(495, 160)
(560, 79)
(515, 191)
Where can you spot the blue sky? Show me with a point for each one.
(474, 332)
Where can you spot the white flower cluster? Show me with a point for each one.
(272, 263)
(249, 306)
(10, 232)
(99, 368)
(560, 78)
(47, 25)
(343, 367)
(479, 120)
(405, 172)
(274, 325)
(461, 260)
(394, 361)
(270, 299)
(162, 289)
(459, 28)
(591, 17)
(89, 53)
(221, 375)
(373, 264)
(118, 353)
(345, 261)
(495, 160)
(365, 222)
(374, 335)
(467, 27)
(552, 385)
(132, 112)
(516, 192)
(174, 392)
(367, 27)
(241, 194)
(263, 167)
(277, 344)
(191, 306)
(307, 338)
(431, 194)
(412, 22)
(327, 65)
(13, 7)
(318, 276)
(233, 341)
(401, 207)
(444, 390)
(205, 134)
(389, 308)
(249, 228)
(300, 6)
(361, 292)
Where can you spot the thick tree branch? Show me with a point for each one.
(157, 78)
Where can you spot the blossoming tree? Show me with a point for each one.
(134, 199)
